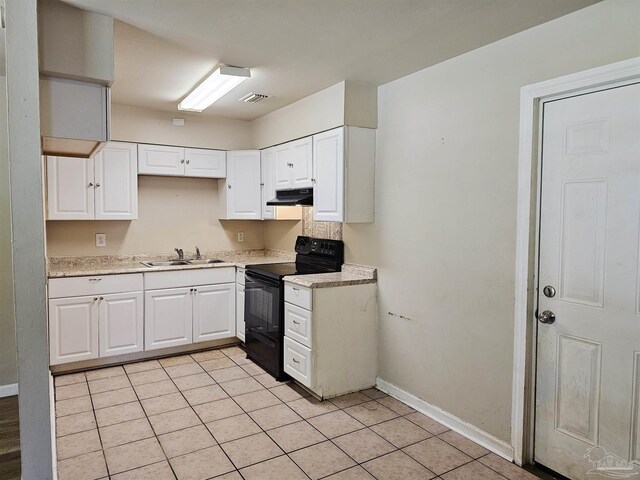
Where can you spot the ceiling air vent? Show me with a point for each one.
(253, 98)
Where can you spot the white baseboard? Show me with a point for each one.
(488, 441)
(8, 390)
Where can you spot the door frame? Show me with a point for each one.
(529, 163)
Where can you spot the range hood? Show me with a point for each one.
(293, 197)
(74, 117)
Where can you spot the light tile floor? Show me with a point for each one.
(217, 415)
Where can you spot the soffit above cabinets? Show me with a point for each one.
(297, 48)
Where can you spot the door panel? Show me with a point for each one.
(282, 167)
(160, 160)
(167, 318)
(121, 323)
(302, 159)
(70, 188)
(205, 163)
(245, 195)
(587, 380)
(73, 328)
(240, 312)
(328, 164)
(268, 181)
(214, 312)
(116, 185)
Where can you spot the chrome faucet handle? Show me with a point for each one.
(180, 253)
(198, 257)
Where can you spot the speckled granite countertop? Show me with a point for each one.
(351, 274)
(58, 267)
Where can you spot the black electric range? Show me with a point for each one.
(264, 298)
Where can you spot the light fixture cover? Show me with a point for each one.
(219, 83)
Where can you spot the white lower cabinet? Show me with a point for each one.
(240, 303)
(91, 317)
(121, 320)
(168, 318)
(214, 312)
(331, 337)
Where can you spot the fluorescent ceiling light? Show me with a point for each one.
(219, 83)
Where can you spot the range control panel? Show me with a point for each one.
(320, 246)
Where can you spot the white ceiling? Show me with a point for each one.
(297, 47)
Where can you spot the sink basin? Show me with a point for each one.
(165, 263)
(205, 261)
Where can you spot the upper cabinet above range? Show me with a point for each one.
(293, 164)
(181, 162)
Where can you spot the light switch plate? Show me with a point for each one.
(101, 239)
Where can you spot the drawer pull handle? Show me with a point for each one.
(295, 289)
(95, 299)
(101, 298)
(295, 361)
(95, 279)
(297, 323)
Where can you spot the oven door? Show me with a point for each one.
(264, 318)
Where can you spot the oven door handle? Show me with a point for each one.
(256, 277)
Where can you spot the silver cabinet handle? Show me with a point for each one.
(101, 298)
(91, 184)
(229, 185)
(95, 299)
(187, 162)
(295, 361)
(297, 323)
(191, 289)
(295, 289)
(97, 185)
(195, 289)
(95, 279)
(182, 161)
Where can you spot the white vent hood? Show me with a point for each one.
(76, 71)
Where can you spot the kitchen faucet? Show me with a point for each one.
(180, 253)
(198, 257)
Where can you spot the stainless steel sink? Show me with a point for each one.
(205, 261)
(165, 263)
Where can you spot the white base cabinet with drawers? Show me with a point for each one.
(331, 337)
(91, 317)
(189, 306)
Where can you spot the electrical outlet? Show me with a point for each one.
(101, 239)
(241, 236)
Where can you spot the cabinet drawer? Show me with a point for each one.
(297, 324)
(298, 362)
(189, 278)
(94, 285)
(300, 296)
(240, 276)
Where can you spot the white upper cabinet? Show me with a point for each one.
(344, 175)
(160, 160)
(181, 162)
(293, 164)
(205, 163)
(268, 182)
(101, 188)
(241, 193)
(116, 182)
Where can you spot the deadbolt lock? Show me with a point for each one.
(549, 291)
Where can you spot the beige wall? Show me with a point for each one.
(145, 125)
(8, 368)
(281, 235)
(444, 237)
(172, 212)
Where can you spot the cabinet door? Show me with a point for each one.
(70, 188)
(268, 177)
(240, 311)
(244, 196)
(116, 182)
(121, 323)
(160, 160)
(205, 163)
(214, 312)
(73, 329)
(167, 318)
(282, 166)
(302, 159)
(328, 164)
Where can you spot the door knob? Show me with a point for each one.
(547, 317)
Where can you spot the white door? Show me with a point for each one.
(121, 323)
(116, 182)
(302, 159)
(214, 312)
(70, 188)
(167, 318)
(268, 181)
(160, 160)
(240, 311)
(588, 358)
(328, 165)
(205, 163)
(244, 200)
(282, 166)
(73, 329)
